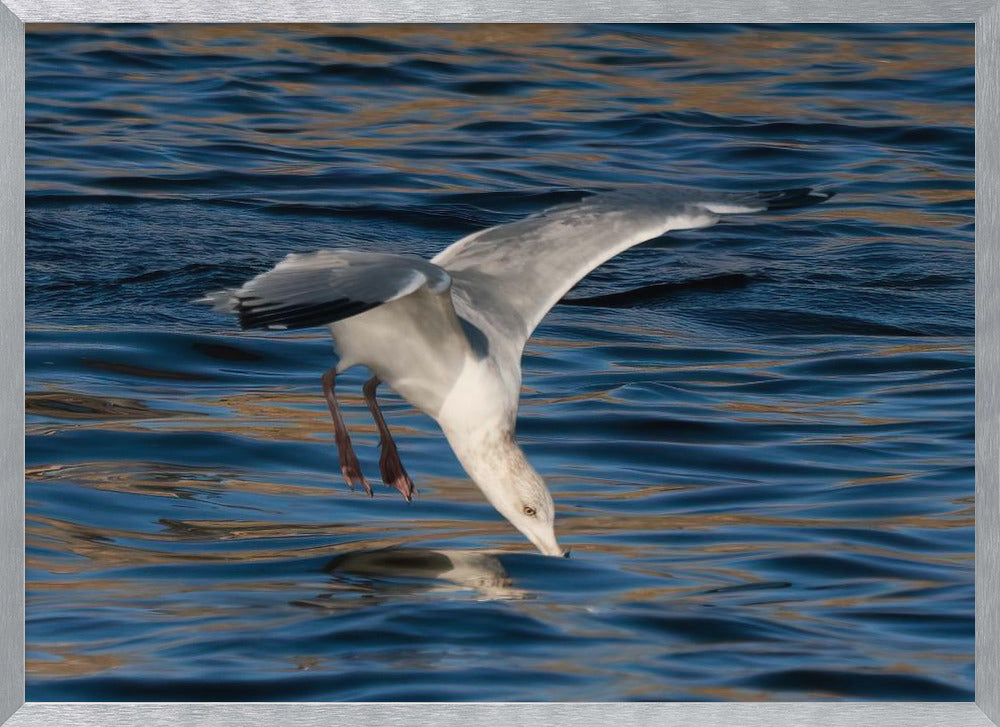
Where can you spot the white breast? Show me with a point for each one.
(412, 344)
(480, 399)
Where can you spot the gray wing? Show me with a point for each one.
(319, 288)
(514, 273)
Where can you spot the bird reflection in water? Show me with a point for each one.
(408, 571)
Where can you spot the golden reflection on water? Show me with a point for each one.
(73, 405)
(64, 661)
(104, 547)
(284, 415)
(548, 57)
(278, 415)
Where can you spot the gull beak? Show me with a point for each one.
(548, 546)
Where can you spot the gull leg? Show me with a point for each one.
(349, 465)
(389, 463)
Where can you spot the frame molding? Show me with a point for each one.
(12, 355)
(502, 11)
(988, 363)
(322, 714)
(985, 712)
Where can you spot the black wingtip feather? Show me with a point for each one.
(786, 199)
(299, 316)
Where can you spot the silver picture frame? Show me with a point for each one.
(985, 711)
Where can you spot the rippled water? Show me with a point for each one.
(759, 436)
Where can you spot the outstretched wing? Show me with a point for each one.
(515, 273)
(319, 288)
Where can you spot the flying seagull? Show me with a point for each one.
(447, 334)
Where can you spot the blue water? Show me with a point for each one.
(759, 436)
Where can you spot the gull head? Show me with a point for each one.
(497, 465)
(523, 498)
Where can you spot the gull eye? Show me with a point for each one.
(529, 511)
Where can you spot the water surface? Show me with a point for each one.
(759, 436)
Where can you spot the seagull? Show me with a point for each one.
(447, 334)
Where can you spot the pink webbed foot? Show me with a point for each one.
(349, 465)
(351, 469)
(393, 472)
